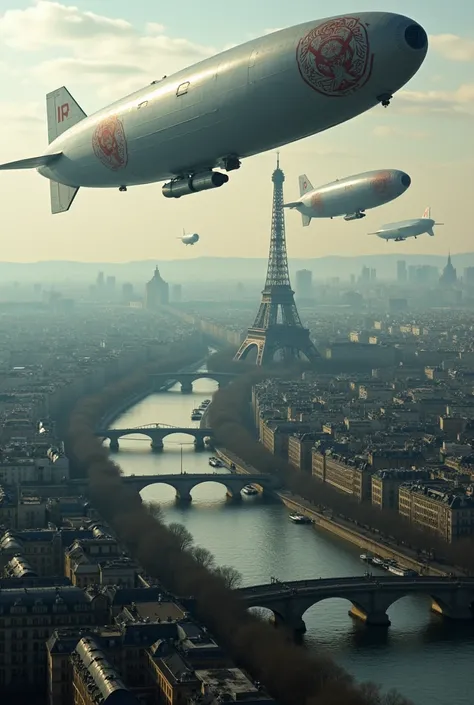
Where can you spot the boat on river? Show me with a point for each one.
(366, 557)
(401, 572)
(300, 519)
(376, 560)
(249, 490)
(215, 462)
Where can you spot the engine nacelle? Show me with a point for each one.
(195, 183)
(354, 216)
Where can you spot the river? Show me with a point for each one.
(424, 657)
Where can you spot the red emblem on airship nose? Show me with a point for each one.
(334, 58)
(381, 182)
(110, 144)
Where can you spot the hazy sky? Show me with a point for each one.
(103, 49)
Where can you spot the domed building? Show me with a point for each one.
(157, 291)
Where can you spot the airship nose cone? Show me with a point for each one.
(406, 180)
(399, 46)
(416, 37)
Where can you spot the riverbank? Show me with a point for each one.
(365, 540)
(136, 397)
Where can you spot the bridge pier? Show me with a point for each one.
(453, 612)
(233, 496)
(371, 619)
(156, 445)
(183, 497)
(199, 443)
(295, 625)
(114, 445)
(186, 387)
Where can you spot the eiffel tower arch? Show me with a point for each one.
(277, 326)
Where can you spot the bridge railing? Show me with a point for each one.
(287, 586)
(191, 476)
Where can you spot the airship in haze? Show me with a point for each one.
(349, 197)
(408, 228)
(255, 97)
(189, 239)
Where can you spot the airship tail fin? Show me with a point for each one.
(31, 162)
(427, 212)
(430, 232)
(305, 184)
(306, 220)
(62, 196)
(62, 112)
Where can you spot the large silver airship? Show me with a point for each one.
(189, 239)
(408, 228)
(349, 197)
(255, 97)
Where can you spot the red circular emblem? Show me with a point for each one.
(381, 182)
(334, 58)
(109, 143)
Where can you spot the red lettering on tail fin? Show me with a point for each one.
(63, 112)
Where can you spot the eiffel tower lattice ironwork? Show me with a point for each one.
(277, 327)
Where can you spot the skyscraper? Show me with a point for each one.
(304, 284)
(176, 293)
(157, 291)
(402, 274)
(449, 276)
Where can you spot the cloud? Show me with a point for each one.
(46, 24)
(26, 112)
(457, 103)
(453, 47)
(389, 131)
(91, 69)
(95, 47)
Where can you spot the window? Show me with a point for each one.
(182, 89)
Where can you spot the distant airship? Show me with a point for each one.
(349, 197)
(189, 239)
(255, 97)
(408, 228)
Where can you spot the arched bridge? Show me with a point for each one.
(185, 482)
(370, 596)
(156, 432)
(186, 379)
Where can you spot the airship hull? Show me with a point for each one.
(406, 228)
(354, 194)
(250, 99)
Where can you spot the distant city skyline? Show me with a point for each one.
(102, 51)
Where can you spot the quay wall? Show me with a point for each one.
(136, 397)
(321, 521)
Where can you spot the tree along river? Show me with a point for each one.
(424, 657)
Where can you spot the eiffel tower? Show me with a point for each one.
(277, 327)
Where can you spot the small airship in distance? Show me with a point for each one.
(349, 197)
(408, 228)
(189, 239)
(255, 97)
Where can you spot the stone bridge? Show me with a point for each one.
(371, 597)
(186, 379)
(156, 432)
(185, 482)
